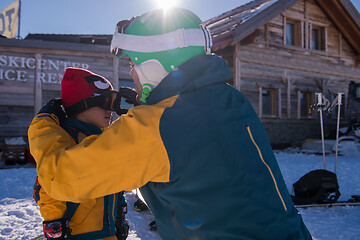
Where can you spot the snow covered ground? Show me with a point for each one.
(20, 218)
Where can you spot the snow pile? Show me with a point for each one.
(20, 218)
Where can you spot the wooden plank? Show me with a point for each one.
(13, 99)
(260, 102)
(37, 85)
(284, 30)
(115, 79)
(300, 68)
(25, 50)
(17, 90)
(298, 104)
(306, 26)
(237, 65)
(288, 96)
(279, 102)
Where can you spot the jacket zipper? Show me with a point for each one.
(267, 166)
(111, 215)
(173, 218)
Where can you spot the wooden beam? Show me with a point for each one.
(283, 80)
(237, 64)
(273, 10)
(284, 30)
(267, 34)
(260, 102)
(338, 13)
(16, 90)
(326, 39)
(322, 84)
(357, 60)
(299, 68)
(340, 43)
(306, 26)
(279, 102)
(23, 50)
(115, 80)
(298, 104)
(37, 85)
(318, 84)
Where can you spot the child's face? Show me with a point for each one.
(96, 116)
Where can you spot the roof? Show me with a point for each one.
(104, 39)
(346, 18)
(28, 43)
(236, 24)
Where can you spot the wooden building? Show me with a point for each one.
(282, 52)
(31, 70)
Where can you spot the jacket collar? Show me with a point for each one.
(196, 73)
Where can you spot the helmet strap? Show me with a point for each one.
(151, 73)
(147, 89)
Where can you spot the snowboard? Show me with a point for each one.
(41, 237)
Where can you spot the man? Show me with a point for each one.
(196, 147)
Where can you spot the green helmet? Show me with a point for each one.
(170, 36)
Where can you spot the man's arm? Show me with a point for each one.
(126, 156)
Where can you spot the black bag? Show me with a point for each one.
(353, 103)
(318, 186)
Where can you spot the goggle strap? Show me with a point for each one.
(179, 38)
(81, 106)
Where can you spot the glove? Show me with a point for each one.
(57, 229)
(121, 223)
(119, 111)
(54, 107)
(129, 94)
(122, 228)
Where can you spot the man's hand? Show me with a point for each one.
(54, 107)
(129, 94)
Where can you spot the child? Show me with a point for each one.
(88, 100)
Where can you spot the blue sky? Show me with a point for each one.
(100, 17)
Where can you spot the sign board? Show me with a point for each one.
(9, 20)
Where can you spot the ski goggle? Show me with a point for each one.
(179, 38)
(121, 27)
(110, 101)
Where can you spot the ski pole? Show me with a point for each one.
(337, 129)
(320, 109)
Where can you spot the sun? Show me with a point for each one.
(165, 4)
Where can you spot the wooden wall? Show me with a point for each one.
(263, 60)
(29, 77)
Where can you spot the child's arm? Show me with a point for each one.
(126, 156)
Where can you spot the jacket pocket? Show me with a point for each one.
(267, 166)
(82, 212)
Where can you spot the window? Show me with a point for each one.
(318, 38)
(315, 39)
(305, 102)
(290, 33)
(293, 33)
(357, 91)
(269, 103)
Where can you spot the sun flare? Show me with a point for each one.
(165, 4)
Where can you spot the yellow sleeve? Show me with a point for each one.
(50, 208)
(125, 156)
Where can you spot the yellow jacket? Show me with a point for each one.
(93, 219)
(121, 159)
